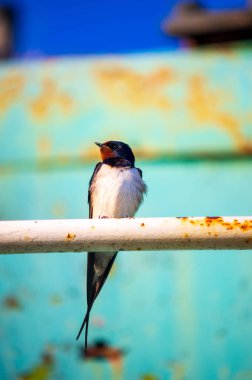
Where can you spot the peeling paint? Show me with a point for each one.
(51, 97)
(128, 88)
(205, 106)
(11, 89)
(167, 98)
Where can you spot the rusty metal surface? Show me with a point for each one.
(160, 316)
(164, 104)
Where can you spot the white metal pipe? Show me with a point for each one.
(35, 236)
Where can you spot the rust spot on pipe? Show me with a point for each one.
(211, 221)
(208, 220)
(27, 238)
(70, 236)
(247, 225)
(217, 220)
(236, 223)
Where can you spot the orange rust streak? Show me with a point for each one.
(11, 89)
(50, 97)
(133, 89)
(217, 220)
(193, 221)
(205, 111)
(246, 225)
(183, 218)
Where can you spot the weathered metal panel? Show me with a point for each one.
(164, 315)
(161, 103)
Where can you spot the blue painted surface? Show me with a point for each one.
(58, 27)
(174, 315)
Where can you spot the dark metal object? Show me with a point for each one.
(191, 21)
(6, 32)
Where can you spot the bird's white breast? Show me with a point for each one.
(116, 192)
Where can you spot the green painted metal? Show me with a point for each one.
(165, 315)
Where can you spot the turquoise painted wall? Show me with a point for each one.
(162, 315)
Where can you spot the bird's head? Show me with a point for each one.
(116, 150)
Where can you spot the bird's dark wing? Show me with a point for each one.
(96, 169)
(94, 286)
(140, 172)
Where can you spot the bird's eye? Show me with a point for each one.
(112, 146)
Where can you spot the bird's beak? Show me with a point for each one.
(99, 144)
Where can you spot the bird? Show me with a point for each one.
(116, 190)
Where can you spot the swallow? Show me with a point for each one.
(116, 190)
